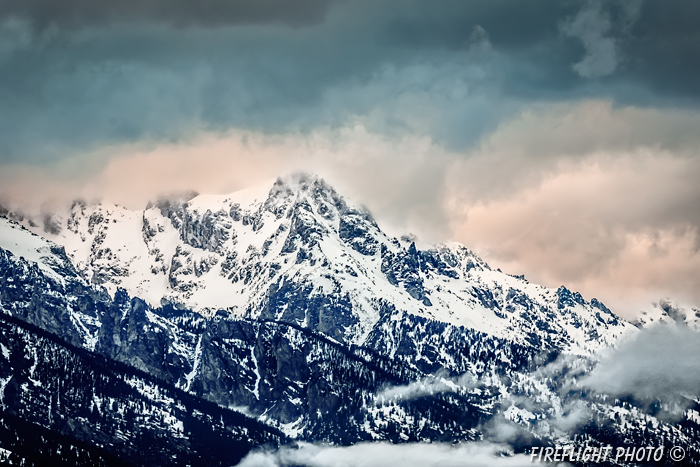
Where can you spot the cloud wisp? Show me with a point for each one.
(593, 26)
(434, 384)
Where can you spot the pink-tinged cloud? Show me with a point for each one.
(576, 194)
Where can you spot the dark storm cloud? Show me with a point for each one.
(80, 13)
(663, 50)
(76, 75)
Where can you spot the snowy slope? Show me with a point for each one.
(296, 250)
(669, 312)
(25, 244)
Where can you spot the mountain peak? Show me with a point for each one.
(295, 250)
(300, 180)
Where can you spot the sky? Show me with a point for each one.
(559, 139)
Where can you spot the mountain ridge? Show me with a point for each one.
(296, 363)
(258, 251)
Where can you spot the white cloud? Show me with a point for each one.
(661, 362)
(474, 454)
(436, 384)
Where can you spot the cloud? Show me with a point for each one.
(399, 177)
(591, 26)
(473, 454)
(662, 362)
(434, 384)
(599, 198)
(135, 83)
(112, 73)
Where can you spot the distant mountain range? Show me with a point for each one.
(284, 313)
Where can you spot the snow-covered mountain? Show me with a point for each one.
(296, 250)
(288, 376)
(290, 304)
